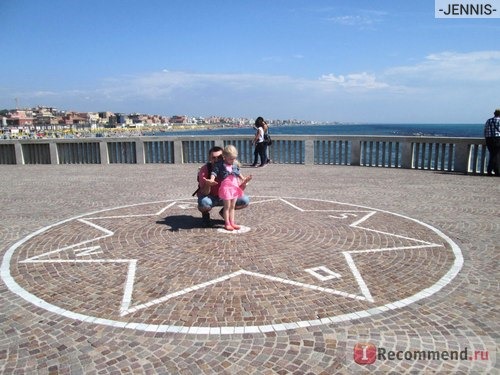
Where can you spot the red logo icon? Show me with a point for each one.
(365, 354)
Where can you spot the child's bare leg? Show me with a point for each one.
(229, 210)
(227, 215)
(233, 205)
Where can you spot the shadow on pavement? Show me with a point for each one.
(181, 222)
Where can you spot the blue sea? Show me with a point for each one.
(439, 130)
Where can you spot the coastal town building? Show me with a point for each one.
(29, 122)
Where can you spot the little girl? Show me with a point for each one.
(228, 174)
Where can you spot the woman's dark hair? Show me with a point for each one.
(259, 122)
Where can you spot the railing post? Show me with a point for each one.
(18, 149)
(309, 152)
(139, 151)
(54, 157)
(406, 155)
(355, 152)
(178, 158)
(461, 163)
(103, 150)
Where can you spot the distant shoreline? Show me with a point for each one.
(119, 132)
(444, 130)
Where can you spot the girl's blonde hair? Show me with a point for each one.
(231, 151)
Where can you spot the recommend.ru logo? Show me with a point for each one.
(367, 354)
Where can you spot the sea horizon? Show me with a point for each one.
(369, 129)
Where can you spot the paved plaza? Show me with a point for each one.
(336, 269)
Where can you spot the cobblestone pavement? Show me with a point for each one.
(107, 269)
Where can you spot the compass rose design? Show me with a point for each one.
(295, 263)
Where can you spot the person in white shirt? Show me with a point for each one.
(260, 144)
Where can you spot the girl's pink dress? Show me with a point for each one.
(229, 187)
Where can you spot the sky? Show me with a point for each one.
(384, 61)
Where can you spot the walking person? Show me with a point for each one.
(230, 178)
(492, 138)
(259, 143)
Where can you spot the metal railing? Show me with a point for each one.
(466, 155)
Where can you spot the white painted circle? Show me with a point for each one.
(321, 273)
(243, 229)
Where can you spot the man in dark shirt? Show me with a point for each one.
(492, 137)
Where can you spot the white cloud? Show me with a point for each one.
(363, 19)
(355, 80)
(167, 84)
(451, 67)
(352, 20)
(271, 59)
(42, 94)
